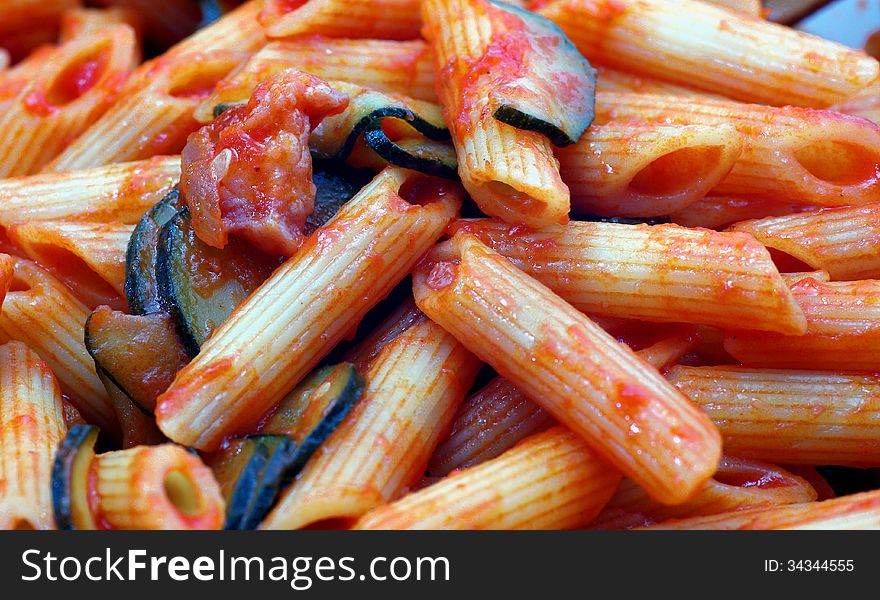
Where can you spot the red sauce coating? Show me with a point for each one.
(248, 173)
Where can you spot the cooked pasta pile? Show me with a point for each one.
(435, 264)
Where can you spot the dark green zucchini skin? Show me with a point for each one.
(201, 285)
(138, 428)
(425, 156)
(253, 473)
(80, 438)
(534, 103)
(140, 258)
(138, 354)
(314, 409)
(335, 184)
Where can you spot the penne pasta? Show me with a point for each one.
(750, 7)
(273, 339)
(845, 241)
(582, 376)
(552, 480)
(616, 80)
(858, 511)
(236, 31)
(31, 427)
(789, 417)
(662, 273)
(842, 330)
(384, 19)
(498, 416)
(14, 79)
(41, 312)
(791, 154)
(714, 49)
(414, 385)
(153, 117)
(717, 212)
(71, 89)
(154, 487)
(88, 257)
(487, 424)
(401, 67)
(83, 22)
(864, 104)
(113, 194)
(647, 170)
(21, 15)
(510, 173)
(737, 484)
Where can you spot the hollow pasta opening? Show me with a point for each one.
(182, 492)
(23, 524)
(78, 77)
(676, 172)
(420, 190)
(90, 287)
(839, 163)
(499, 188)
(745, 477)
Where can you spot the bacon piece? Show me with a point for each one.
(248, 173)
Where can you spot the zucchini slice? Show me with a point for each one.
(335, 184)
(314, 409)
(70, 479)
(202, 285)
(139, 354)
(140, 259)
(250, 472)
(138, 428)
(554, 91)
(382, 120)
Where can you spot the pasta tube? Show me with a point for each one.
(86, 256)
(646, 170)
(116, 193)
(155, 487)
(714, 49)
(586, 379)
(154, 117)
(490, 422)
(661, 273)
(843, 241)
(306, 307)
(82, 22)
(737, 484)
(510, 173)
(384, 19)
(31, 427)
(717, 212)
(42, 313)
(386, 66)
(858, 511)
(789, 417)
(800, 155)
(414, 385)
(842, 331)
(550, 481)
(499, 415)
(71, 89)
